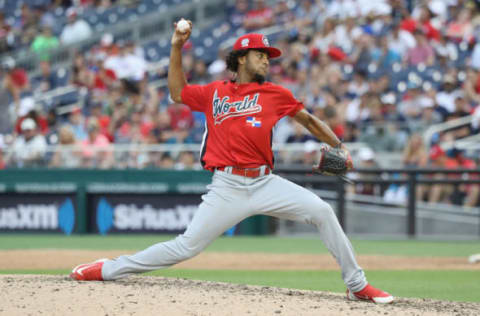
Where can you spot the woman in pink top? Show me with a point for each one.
(96, 149)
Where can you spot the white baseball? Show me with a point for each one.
(183, 26)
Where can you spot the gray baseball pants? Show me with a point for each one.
(229, 200)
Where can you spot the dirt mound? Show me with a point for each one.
(141, 295)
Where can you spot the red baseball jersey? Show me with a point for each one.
(240, 119)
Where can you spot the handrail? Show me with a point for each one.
(428, 135)
(170, 147)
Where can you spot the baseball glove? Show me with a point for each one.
(333, 162)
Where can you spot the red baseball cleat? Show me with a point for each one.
(88, 271)
(369, 293)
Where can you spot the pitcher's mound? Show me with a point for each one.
(142, 295)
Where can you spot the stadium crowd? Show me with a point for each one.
(378, 72)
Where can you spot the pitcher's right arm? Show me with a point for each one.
(176, 77)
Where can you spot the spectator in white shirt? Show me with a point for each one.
(29, 149)
(76, 29)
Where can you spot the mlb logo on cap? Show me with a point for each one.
(265, 41)
(256, 41)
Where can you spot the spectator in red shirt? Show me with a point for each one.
(261, 16)
(180, 116)
(441, 192)
(461, 28)
(181, 121)
(15, 80)
(471, 191)
(425, 23)
(104, 78)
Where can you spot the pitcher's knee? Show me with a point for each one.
(188, 248)
(323, 213)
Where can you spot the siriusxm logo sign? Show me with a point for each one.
(39, 217)
(146, 217)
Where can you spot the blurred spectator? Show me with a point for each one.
(461, 27)
(335, 122)
(475, 61)
(29, 148)
(3, 164)
(426, 21)
(28, 111)
(15, 79)
(128, 67)
(299, 134)
(283, 14)
(7, 39)
(471, 86)
(415, 155)
(400, 40)
(44, 42)
(379, 134)
(200, 74)
(429, 115)
(166, 162)
(366, 159)
(306, 14)
(47, 79)
(386, 56)
(260, 16)
(396, 193)
(96, 150)
(441, 192)
(469, 192)
(26, 25)
(104, 79)
(359, 85)
(238, 13)
(475, 125)
(446, 97)
(310, 153)
(358, 110)
(76, 30)
(410, 105)
(81, 74)
(422, 53)
(187, 161)
(181, 120)
(77, 124)
(107, 45)
(68, 157)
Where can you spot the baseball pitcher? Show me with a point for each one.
(236, 147)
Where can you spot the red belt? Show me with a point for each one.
(247, 172)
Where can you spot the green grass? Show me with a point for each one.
(240, 244)
(443, 285)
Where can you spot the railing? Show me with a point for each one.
(134, 155)
(411, 177)
(442, 127)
